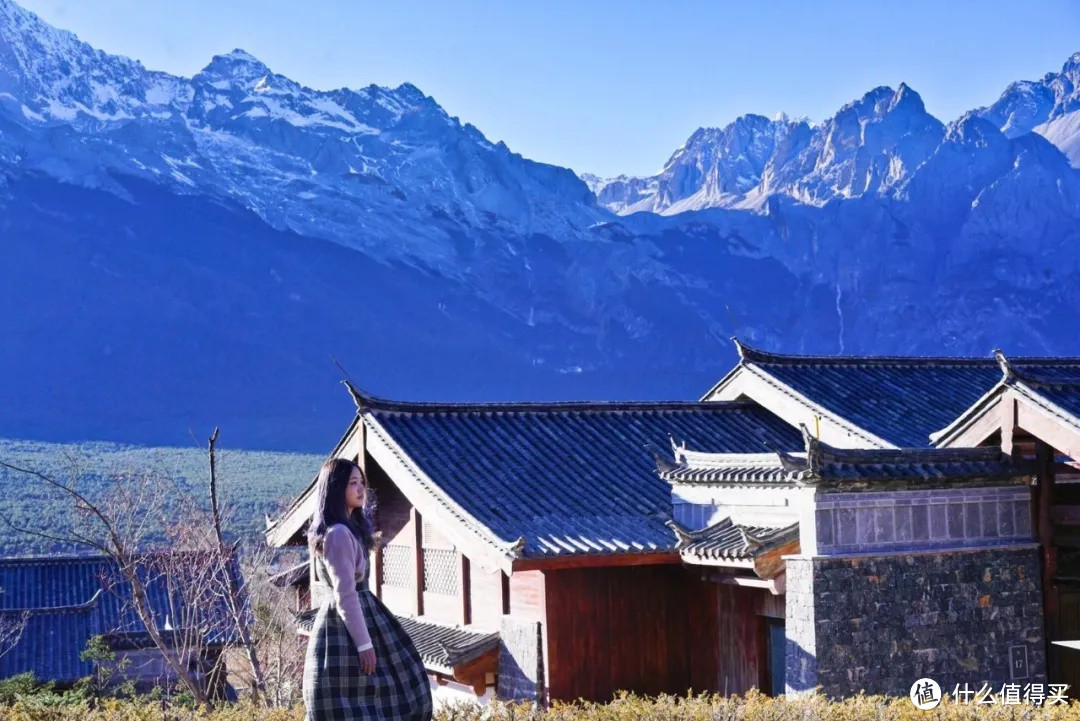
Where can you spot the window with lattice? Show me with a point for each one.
(440, 571)
(397, 566)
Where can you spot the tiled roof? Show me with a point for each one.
(441, 646)
(568, 478)
(729, 541)
(820, 463)
(908, 464)
(1058, 385)
(69, 599)
(899, 399)
(723, 469)
(292, 576)
(50, 641)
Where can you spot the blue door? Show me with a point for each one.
(777, 654)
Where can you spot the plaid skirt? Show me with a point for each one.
(335, 687)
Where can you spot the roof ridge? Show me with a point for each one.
(747, 354)
(91, 557)
(548, 406)
(67, 608)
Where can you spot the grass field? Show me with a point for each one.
(253, 483)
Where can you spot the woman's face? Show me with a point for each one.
(354, 492)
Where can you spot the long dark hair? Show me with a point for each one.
(330, 506)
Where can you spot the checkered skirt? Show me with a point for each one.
(336, 689)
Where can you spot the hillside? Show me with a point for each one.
(253, 483)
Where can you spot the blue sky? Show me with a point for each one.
(598, 86)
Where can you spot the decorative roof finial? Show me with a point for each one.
(1007, 372)
(682, 535)
(813, 449)
(678, 449)
(358, 398)
(663, 465)
(740, 347)
(515, 548)
(749, 540)
(361, 399)
(748, 354)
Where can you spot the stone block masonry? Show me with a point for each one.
(521, 660)
(878, 623)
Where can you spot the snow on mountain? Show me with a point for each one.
(197, 247)
(373, 168)
(621, 193)
(1064, 132)
(1048, 107)
(871, 145)
(714, 168)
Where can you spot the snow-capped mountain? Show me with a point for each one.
(870, 146)
(873, 145)
(1049, 107)
(367, 168)
(185, 252)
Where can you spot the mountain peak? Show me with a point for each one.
(238, 65)
(907, 99)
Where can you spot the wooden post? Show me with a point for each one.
(418, 548)
(1008, 423)
(1044, 473)
(505, 594)
(361, 446)
(464, 588)
(378, 571)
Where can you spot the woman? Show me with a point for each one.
(360, 663)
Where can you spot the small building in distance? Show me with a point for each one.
(51, 606)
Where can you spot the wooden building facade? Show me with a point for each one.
(532, 524)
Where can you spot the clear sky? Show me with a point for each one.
(598, 85)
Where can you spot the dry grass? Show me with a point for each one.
(752, 707)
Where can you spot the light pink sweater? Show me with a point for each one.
(344, 564)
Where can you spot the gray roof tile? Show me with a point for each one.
(729, 541)
(68, 599)
(899, 399)
(571, 478)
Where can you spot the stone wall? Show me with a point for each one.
(800, 666)
(521, 660)
(881, 622)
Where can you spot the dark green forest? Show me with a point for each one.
(252, 484)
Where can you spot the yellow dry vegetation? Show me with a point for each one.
(627, 707)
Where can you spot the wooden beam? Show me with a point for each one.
(474, 673)
(771, 564)
(1048, 430)
(1044, 474)
(464, 588)
(597, 560)
(418, 553)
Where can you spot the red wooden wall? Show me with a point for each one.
(652, 629)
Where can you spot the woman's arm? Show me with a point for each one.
(341, 549)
